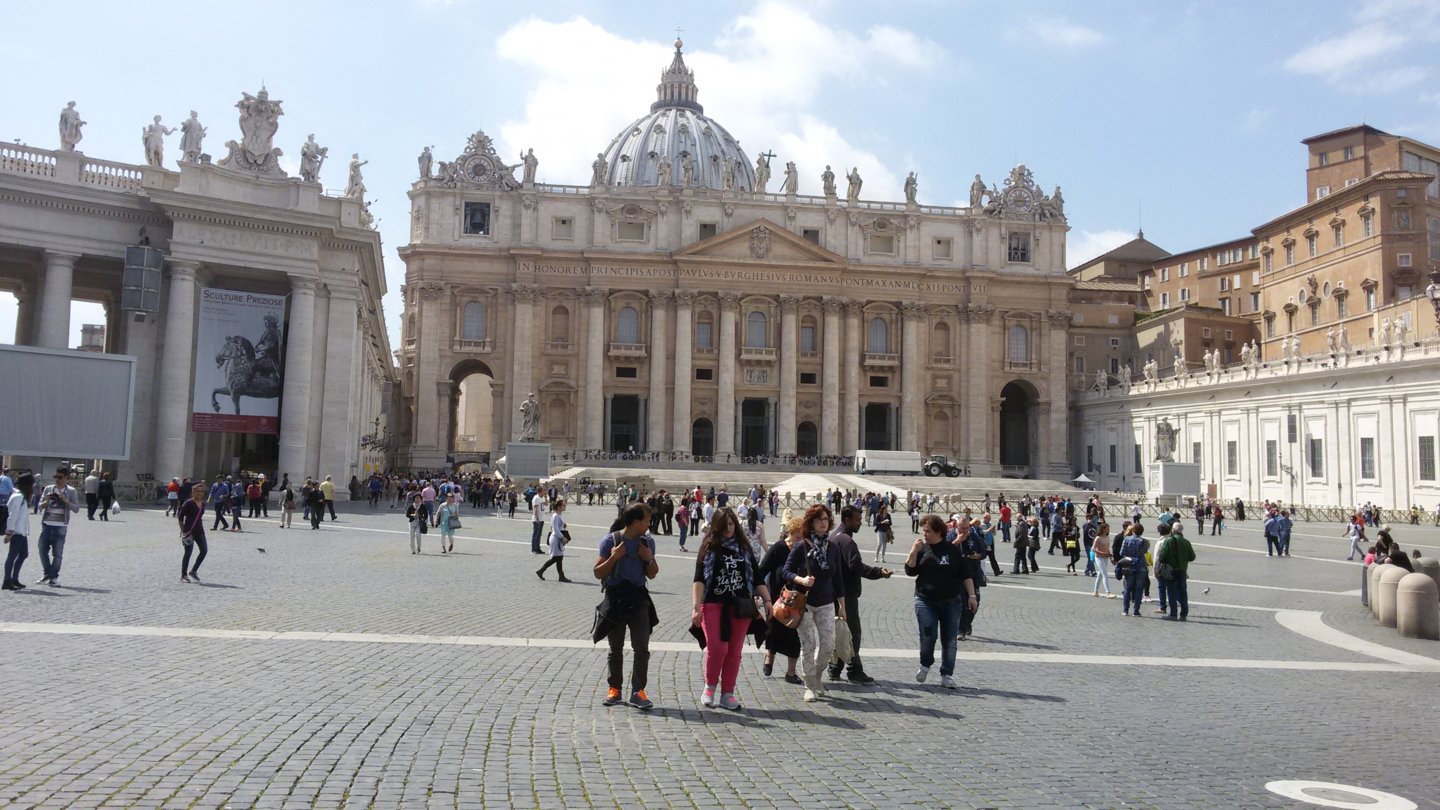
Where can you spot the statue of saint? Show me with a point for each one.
(1400, 329)
(426, 160)
(762, 172)
(531, 163)
(70, 125)
(727, 176)
(1125, 374)
(312, 157)
(153, 136)
(1151, 370)
(662, 172)
(1383, 336)
(1332, 341)
(910, 188)
(827, 181)
(1165, 435)
(355, 184)
(687, 171)
(598, 170)
(852, 193)
(1344, 341)
(1057, 204)
(530, 419)
(792, 179)
(1102, 381)
(977, 192)
(191, 135)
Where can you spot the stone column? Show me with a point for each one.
(784, 443)
(320, 331)
(339, 441)
(55, 304)
(523, 351)
(850, 403)
(982, 444)
(725, 400)
(295, 400)
(830, 380)
(592, 416)
(684, 349)
(445, 391)
(172, 420)
(912, 405)
(27, 300)
(659, 350)
(1053, 453)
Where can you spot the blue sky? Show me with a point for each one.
(1189, 112)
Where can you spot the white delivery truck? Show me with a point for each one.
(892, 462)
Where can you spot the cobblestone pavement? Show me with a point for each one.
(337, 669)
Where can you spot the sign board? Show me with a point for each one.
(525, 460)
(66, 404)
(238, 362)
(1169, 478)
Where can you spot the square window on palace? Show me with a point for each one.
(810, 235)
(881, 244)
(809, 378)
(630, 232)
(705, 374)
(562, 228)
(879, 381)
(626, 372)
(477, 219)
(942, 248)
(707, 230)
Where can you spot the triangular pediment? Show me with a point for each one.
(760, 240)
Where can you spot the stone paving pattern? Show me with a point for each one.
(197, 722)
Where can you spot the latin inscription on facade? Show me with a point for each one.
(757, 376)
(252, 241)
(705, 274)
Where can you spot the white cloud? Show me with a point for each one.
(1337, 56)
(762, 82)
(1399, 78)
(1056, 32)
(1082, 246)
(1256, 119)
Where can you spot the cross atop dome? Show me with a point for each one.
(677, 84)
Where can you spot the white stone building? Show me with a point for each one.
(676, 306)
(65, 221)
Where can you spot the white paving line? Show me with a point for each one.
(691, 647)
(1309, 623)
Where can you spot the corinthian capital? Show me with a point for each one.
(525, 293)
(660, 298)
(729, 301)
(912, 309)
(1059, 317)
(853, 308)
(592, 296)
(789, 302)
(833, 306)
(684, 298)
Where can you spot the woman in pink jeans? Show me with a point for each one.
(729, 592)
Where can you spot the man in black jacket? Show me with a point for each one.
(853, 569)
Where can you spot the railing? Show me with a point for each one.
(627, 349)
(17, 159)
(559, 346)
(760, 353)
(1021, 365)
(552, 188)
(476, 346)
(704, 349)
(881, 359)
(809, 355)
(942, 360)
(107, 173)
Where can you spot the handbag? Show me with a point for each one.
(564, 537)
(455, 522)
(744, 606)
(1165, 571)
(789, 607)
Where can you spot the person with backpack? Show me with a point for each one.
(1132, 559)
(728, 593)
(624, 565)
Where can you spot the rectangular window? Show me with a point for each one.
(1225, 305)
(1289, 255)
(1232, 458)
(1114, 343)
(1195, 453)
(1367, 225)
(704, 335)
(1079, 340)
(1079, 364)
(631, 232)
(942, 248)
(1315, 316)
(1339, 233)
(626, 372)
(1323, 159)
(1291, 427)
(1235, 282)
(477, 219)
(704, 373)
(1184, 269)
(1402, 218)
(810, 235)
(1427, 458)
(1164, 300)
(1019, 247)
(809, 378)
(1272, 458)
(1269, 328)
(881, 244)
(878, 381)
(707, 230)
(1224, 284)
(1322, 192)
(562, 228)
(1312, 243)
(1367, 458)
(1269, 264)
(1184, 293)
(1204, 263)
(1114, 365)
(1403, 260)
(1369, 299)
(1254, 302)
(807, 339)
(1164, 274)
(1205, 332)
(1341, 310)
(1137, 459)
(1229, 334)
(1351, 181)
(1114, 459)
(1349, 153)
(1317, 458)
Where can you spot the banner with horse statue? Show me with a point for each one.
(238, 364)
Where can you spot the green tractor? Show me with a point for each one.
(936, 466)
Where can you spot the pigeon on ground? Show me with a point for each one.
(262, 551)
(1207, 590)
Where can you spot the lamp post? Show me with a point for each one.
(1433, 292)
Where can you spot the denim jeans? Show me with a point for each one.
(1164, 592)
(1135, 587)
(1272, 546)
(1179, 596)
(15, 557)
(52, 549)
(1022, 563)
(1102, 574)
(940, 617)
(684, 532)
(535, 530)
(967, 616)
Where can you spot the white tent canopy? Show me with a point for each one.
(1082, 479)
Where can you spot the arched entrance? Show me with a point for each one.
(1018, 427)
(702, 438)
(472, 434)
(807, 439)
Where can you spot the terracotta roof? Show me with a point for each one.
(1353, 128)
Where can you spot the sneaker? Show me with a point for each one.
(42, 580)
(860, 677)
(54, 582)
(640, 701)
(185, 579)
(563, 579)
(808, 697)
(730, 702)
(612, 697)
(834, 673)
(947, 682)
(921, 674)
(194, 576)
(707, 698)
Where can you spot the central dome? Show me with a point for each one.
(676, 131)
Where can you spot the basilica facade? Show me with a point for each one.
(676, 305)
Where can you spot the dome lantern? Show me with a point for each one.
(677, 85)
